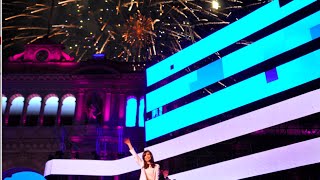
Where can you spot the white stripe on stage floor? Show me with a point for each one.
(287, 157)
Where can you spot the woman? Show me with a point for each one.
(149, 169)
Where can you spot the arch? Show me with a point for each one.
(131, 111)
(50, 109)
(66, 96)
(141, 112)
(32, 96)
(49, 96)
(33, 109)
(16, 108)
(68, 109)
(14, 96)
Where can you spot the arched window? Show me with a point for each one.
(33, 111)
(131, 111)
(141, 112)
(16, 111)
(68, 110)
(50, 111)
(4, 105)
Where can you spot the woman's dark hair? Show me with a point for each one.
(146, 165)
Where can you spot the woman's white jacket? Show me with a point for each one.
(139, 161)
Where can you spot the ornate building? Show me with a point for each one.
(55, 107)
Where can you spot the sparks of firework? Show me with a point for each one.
(215, 4)
(124, 30)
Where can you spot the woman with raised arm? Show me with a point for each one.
(149, 169)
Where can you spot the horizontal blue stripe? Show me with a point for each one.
(291, 74)
(279, 42)
(255, 21)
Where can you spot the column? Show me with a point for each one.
(79, 108)
(6, 112)
(122, 110)
(41, 113)
(120, 140)
(113, 110)
(107, 108)
(58, 119)
(24, 112)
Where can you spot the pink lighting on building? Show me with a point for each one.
(75, 139)
(107, 107)
(122, 102)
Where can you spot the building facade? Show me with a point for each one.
(56, 107)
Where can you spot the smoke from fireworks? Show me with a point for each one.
(123, 30)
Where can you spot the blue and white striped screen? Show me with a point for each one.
(290, 37)
(247, 25)
(289, 75)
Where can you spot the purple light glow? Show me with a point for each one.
(107, 108)
(121, 106)
(75, 139)
(98, 56)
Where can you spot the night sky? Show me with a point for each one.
(123, 30)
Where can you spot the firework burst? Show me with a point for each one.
(123, 30)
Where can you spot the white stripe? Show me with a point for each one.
(90, 167)
(287, 157)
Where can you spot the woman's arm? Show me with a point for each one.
(133, 152)
(157, 169)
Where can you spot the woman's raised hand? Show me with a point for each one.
(128, 142)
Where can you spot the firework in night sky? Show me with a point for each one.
(123, 30)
